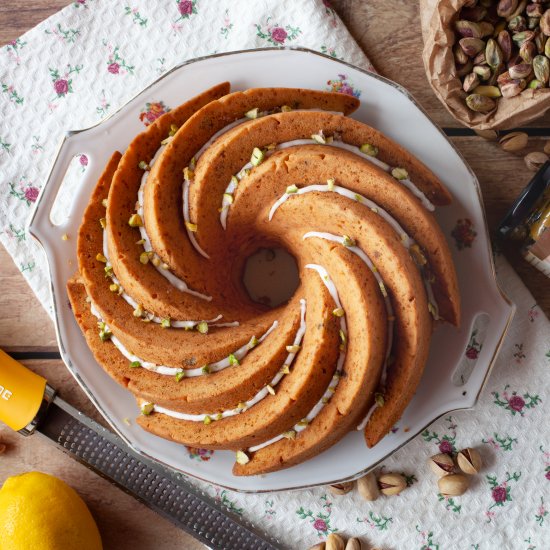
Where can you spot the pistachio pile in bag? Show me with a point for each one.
(508, 101)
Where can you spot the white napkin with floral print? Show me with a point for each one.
(82, 64)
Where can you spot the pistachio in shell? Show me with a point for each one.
(514, 141)
(544, 23)
(489, 135)
(522, 70)
(354, 544)
(318, 546)
(493, 54)
(505, 8)
(471, 81)
(535, 160)
(467, 29)
(441, 464)
(541, 68)
(368, 487)
(335, 542)
(471, 46)
(504, 40)
(343, 488)
(392, 484)
(469, 461)
(453, 485)
(480, 103)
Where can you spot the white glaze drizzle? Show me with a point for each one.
(302, 425)
(406, 240)
(264, 392)
(189, 373)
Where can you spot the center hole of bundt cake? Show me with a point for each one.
(271, 276)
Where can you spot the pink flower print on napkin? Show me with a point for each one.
(276, 34)
(279, 35)
(113, 68)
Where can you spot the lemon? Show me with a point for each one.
(40, 512)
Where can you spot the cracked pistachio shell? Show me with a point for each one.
(441, 464)
(521, 70)
(471, 81)
(544, 22)
(453, 485)
(514, 141)
(505, 8)
(343, 488)
(483, 71)
(391, 484)
(493, 54)
(471, 46)
(541, 67)
(468, 29)
(535, 160)
(335, 542)
(460, 57)
(368, 487)
(504, 40)
(354, 544)
(469, 461)
(480, 104)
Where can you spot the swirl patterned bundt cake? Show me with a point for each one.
(162, 250)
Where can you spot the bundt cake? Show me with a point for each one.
(162, 249)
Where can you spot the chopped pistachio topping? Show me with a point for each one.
(188, 174)
(400, 173)
(245, 172)
(270, 389)
(330, 184)
(348, 241)
(343, 336)
(108, 271)
(193, 163)
(338, 312)
(165, 323)
(228, 197)
(135, 364)
(286, 108)
(319, 138)
(101, 258)
(241, 406)
(155, 261)
(433, 310)
(104, 203)
(291, 434)
(202, 327)
(180, 376)
(233, 360)
(138, 312)
(164, 266)
(253, 113)
(104, 331)
(141, 241)
(253, 342)
(369, 149)
(418, 255)
(285, 369)
(374, 209)
(166, 140)
(64, 237)
(207, 420)
(235, 180)
(383, 289)
(241, 457)
(379, 398)
(135, 221)
(191, 226)
(271, 146)
(303, 422)
(147, 408)
(257, 156)
(103, 222)
(293, 349)
(143, 165)
(219, 416)
(173, 129)
(144, 258)
(291, 189)
(358, 197)
(114, 287)
(331, 389)
(205, 369)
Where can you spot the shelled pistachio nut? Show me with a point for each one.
(535, 84)
(527, 51)
(469, 461)
(467, 29)
(521, 70)
(517, 24)
(547, 147)
(493, 54)
(391, 484)
(483, 71)
(341, 488)
(460, 57)
(354, 544)
(471, 46)
(505, 8)
(540, 41)
(513, 88)
(368, 487)
(463, 70)
(514, 141)
(544, 22)
(519, 10)
(523, 37)
(480, 103)
(547, 48)
(534, 10)
(453, 485)
(335, 542)
(479, 59)
(486, 28)
(441, 464)
(541, 67)
(504, 40)
(535, 160)
(488, 91)
(471, 81)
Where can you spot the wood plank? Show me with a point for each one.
(123, 522)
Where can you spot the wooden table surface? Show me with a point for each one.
(389, 31)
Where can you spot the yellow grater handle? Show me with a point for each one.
(21, 393)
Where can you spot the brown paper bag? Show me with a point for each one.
(437, 20)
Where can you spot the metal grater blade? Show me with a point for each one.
(166, 492)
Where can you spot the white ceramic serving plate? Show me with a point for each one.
(384, 105)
